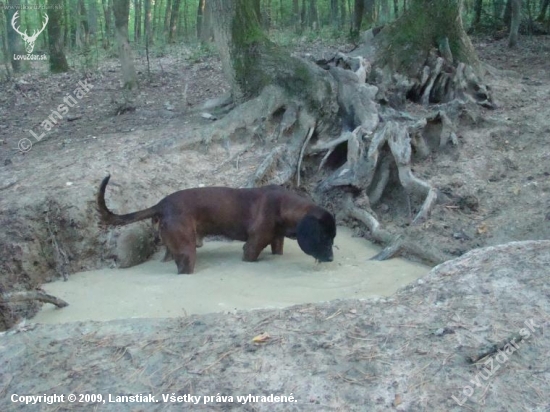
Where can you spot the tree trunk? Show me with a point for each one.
(478, 10)
(167, 18)
(137, 21)
(66, 26)
(266, 18)
(296, 15)
(370, 12)
(121, 11)
(507, 18)
(174, 16)
(385, 10)
(156, 18)
(43, 39)
(358, 11)
(256, 6)
(204, 21)
(186, 18)
(334, 13)
(83, 21)
(15, 45)
(427, 24)
(313, 17)
(200, 17)
(58, 62)
(74, 26)
(343, 14)
(4, 40)
(251, 61)
(148, 22)
(514, 23)
(396, 8)
(108, 23)
(498, 7)
(303, 16)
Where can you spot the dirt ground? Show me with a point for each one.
(500, 174)
(410, 352)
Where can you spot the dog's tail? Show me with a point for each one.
(109, 218)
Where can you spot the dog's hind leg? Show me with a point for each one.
(198, 242)
(180, 244)
(254, 246)
(168, 256)
(277, 245)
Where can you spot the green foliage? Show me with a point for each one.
(200, 52)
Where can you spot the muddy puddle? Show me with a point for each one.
(223, 282)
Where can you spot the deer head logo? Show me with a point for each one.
(29, 40)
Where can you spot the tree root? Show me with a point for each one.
(13, 297)
(298, 168)
(397, 245)
(266, 166)
(399, 142)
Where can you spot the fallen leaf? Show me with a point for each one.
(397, 401)
(481, 229)
(264, 337)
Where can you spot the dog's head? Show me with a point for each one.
(316, 236)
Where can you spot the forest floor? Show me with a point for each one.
(500, 170)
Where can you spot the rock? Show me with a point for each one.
(134, 246)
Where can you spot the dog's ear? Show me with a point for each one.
(315, 236)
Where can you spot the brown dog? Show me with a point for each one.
(260, 217)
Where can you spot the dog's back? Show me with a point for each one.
(215, 210)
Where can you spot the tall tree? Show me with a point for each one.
(358, 11)
(107, 13)
(303, 15)
(204, 21)
(185, 18)
(514, 23)
(296, 15)
(15, 45)
(174, 17)
(313, 15)
(137, 20)
(498, 7)
(370, 12)
(66, 25)
(156, 18)
(121, 9)
(148, 22)
(343, 14)
(58, 62)
(478, 9)
(167, 18)
(334, 13)
(256, 7)
(147, 18)
(83, 22)
(4, 40)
